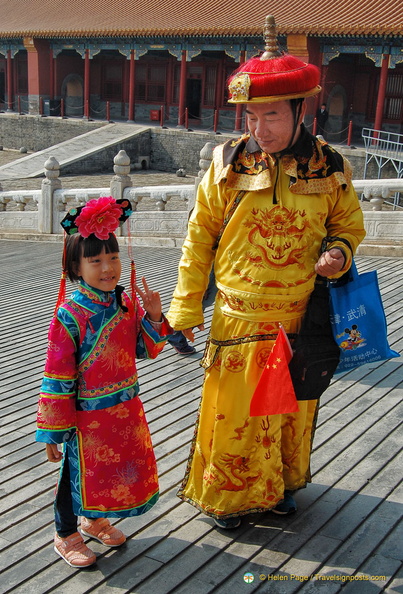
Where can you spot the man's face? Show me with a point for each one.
(272, 124)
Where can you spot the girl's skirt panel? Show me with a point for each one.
(240, 464)
(112, 464)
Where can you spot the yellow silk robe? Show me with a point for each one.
(264, 268)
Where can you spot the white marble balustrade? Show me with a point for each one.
(40, 211)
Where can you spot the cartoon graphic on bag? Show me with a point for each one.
(359, 301)
(354, 340)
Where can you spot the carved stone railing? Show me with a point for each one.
(19, 210)
(377, 191)
(161, 212)
(22, 199)
(160, 195)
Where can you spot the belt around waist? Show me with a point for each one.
(259, 308)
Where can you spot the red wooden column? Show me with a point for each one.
(381, 92)
(87, 83)
(169, 89)
(10, 88)
(132, 84)
(52, 65)
(38, 51)
(239, 106)
(182, 91)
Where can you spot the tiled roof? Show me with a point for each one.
(78, 18)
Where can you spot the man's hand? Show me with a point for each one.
(189, 334)
(330, 262)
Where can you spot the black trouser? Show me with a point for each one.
(65, 519)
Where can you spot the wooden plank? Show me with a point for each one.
(356, 463)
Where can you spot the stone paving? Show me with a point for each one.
(83, 148)
(139, 178)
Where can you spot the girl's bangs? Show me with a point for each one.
(92, 246)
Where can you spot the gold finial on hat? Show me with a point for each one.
(271, 49)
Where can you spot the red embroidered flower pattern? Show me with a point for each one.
(100, 217)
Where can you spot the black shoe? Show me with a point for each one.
(187, 349)
(229, 523)
(287, 506)
(179, 342)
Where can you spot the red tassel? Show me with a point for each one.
(133, 280)
(61, 297)
(132, 264)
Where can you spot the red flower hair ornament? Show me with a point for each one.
(100, 217)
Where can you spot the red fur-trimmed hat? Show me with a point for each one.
(273, 76)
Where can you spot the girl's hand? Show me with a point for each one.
(151, 301)
(52, 452)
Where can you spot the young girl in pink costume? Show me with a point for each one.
(89, 397)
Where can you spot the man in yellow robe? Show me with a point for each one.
(262, 211)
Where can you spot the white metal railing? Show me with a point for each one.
(386, 144)
(384, 149)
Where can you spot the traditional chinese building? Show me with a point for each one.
(138, 59)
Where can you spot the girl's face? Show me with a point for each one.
(101, 272)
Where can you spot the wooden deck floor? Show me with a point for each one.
(349, 518)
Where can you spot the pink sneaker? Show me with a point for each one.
(103, 531)
(74, 550)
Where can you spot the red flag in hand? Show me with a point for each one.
(274, 393)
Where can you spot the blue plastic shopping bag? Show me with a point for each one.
(358, 321)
